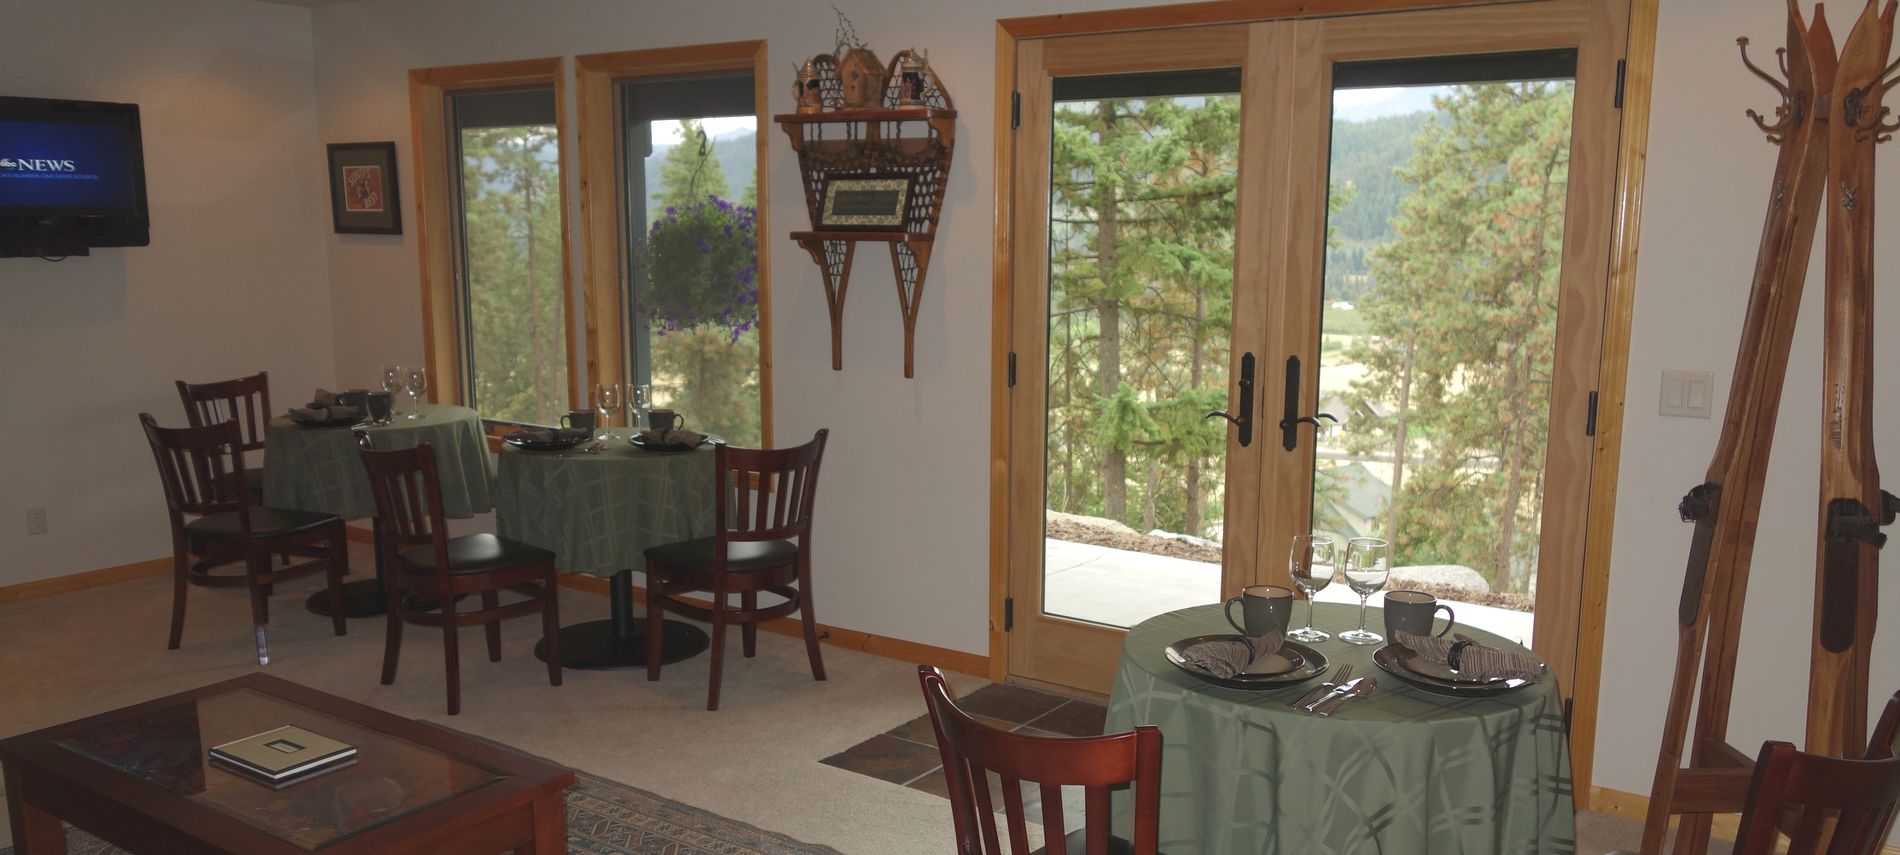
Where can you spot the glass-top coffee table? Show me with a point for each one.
(139, 778)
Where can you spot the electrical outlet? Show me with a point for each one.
(36, 520)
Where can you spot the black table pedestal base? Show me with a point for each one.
(592, 646)
(362, 598)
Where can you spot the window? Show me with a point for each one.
(675, 280)
(508, 254)
(497, 327)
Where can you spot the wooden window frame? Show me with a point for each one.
(442, 332)
(604, 261)
(1638, 40)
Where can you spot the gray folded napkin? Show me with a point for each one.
(1229, 656)
(324, 407)
(676, 436)
(551, 434)
(1473, 661)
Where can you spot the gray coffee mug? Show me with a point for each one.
(1413, 612)
(1263, 609)
(358, 398)
(580, 419)
(665, 420)
(380, 406)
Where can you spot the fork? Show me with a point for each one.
(1340, 675)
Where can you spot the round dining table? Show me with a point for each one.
(1401, 771)
(319, 469)
(598, 507)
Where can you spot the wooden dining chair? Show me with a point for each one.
(1885, 741)
(1797, 793)
(245, 400)
(214, 520)
(973, 750)
(422, 560)
(762, 542)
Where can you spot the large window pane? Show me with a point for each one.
(690, 197)
(510, 231)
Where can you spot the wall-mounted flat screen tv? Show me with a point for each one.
(72, 177)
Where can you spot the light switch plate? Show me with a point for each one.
(1687, 394)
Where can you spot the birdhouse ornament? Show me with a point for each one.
(860, 74)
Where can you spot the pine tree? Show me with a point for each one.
(691, 170)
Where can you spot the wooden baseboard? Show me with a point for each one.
(358, 534)
(1635, 808)
(88, 579)
(889, 648)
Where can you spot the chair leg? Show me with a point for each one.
(392, 638)
(451, 656)
(551, 626)
(718, 649)
(490, 602)
(811, 624)
(181, 568)
(656, 622)
(254, 567)
(749, 631)
(339, 566)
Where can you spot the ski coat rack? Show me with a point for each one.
(1826, 129)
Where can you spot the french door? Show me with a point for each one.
(1219, 233)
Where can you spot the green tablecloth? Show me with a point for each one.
(1400, 772)
(318, 469)
(599, 512)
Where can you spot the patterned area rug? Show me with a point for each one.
(608, 818)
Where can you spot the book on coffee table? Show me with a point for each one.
(283, 756)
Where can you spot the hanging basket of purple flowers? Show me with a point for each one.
(702, 268)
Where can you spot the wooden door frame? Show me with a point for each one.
(1625, 227)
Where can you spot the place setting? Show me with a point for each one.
(328, 409)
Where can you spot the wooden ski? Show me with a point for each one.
(1726, 506)
(1853, 507)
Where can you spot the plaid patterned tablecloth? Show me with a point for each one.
(599, 512)
(318, 469)
(1400, 772)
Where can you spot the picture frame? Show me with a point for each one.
(866, 202)
(364, 195)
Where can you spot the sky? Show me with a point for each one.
(1358, 105)
(667, 132)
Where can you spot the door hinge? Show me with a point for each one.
(1622, 66)
(1016, 110)
(1590, 421)
(1567, 704)
(1012, 369)
(1009, 613)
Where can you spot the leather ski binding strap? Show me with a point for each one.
(1700, 503)
(1849, 520)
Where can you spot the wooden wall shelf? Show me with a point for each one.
(900, 142)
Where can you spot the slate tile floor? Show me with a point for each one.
(907, 754)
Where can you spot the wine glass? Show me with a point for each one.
(416, 380)
(606, 402)
(1311, 563)
(639, 405)
(1368, 563)
(392, 383)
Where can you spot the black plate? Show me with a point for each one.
(1403, 663)
(526, 444)
(330, 422)
(672, 447)
(1308, 664)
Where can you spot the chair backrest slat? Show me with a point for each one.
(201, 468)
(1804, 794)
(407, 491)
(245, 400)
(767, 494)
(972, 751)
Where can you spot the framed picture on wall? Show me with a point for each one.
(866, 201)
(363, 197)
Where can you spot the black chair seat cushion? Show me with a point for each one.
(697, 554)
(265, 522)
(478, 553)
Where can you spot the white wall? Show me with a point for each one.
(234, 281)
(1706, 196)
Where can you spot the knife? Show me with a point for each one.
(1358, 691)
(1341, 689)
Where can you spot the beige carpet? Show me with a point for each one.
(755, 760)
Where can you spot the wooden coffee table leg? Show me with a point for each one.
(550, 825)
(35, 832)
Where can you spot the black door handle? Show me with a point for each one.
(1244, 422)
(1290, 419)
